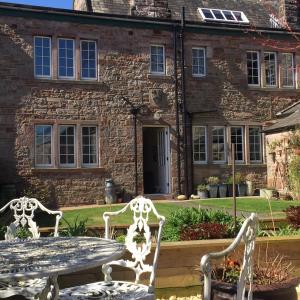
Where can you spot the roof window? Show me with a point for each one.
(222, 15)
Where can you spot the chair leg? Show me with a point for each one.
(51, 290)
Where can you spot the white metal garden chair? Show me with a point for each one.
(23, 214)
(108, 289)
(247, 233)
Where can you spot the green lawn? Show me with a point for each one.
(259, 205)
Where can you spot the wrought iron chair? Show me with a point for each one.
(108, 289)
(23, 213)
(247, 233)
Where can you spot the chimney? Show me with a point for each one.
(289, 12)
(83, 5)
(151, 8)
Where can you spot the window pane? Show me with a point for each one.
(89, 145)
(253, 68)
(217, 13)
(66, 58)
(255, 144)
(157, 63)
(218, 144)
(237, 140)
(199, 144)
(67, 145)
(198, 60)
(270, 68)
(43, 145)
(288, 70)
(42, 56)
(88, 60)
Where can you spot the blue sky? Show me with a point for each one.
(49, 3)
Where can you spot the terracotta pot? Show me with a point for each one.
(279, 291)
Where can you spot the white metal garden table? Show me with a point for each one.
(50, 257)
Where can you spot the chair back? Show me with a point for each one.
(247, 233)
(23, 210)
(140, 208)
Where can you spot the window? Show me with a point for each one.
(43, 145)
(42, 56)
(255, 144)
(218, 144)
(253, 68)
(157, 65)
(88, 60)
(66, 51)
(199, 144)
(67, 145)
(237, 139)
(223, 15)
(199, 68)
(89, 145)
(288, 69)
(270, 68)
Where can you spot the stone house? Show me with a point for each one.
(132, 90)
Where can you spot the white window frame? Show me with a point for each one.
(259, 68)
(85, 165)
(201, 162)
(225, 145)
(34, 56)
(96, 60)
(35, 147)
(67, 165)
(276, 69)
(204, 62)
(74, 59)
(294, 70)
(164, 60)
(236, 21)
(260, 141)
(243, 143)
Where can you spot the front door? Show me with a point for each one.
(156, 160)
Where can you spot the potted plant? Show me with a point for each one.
(272, 279)
(202, 191)
(222, 190)
(213, 186)
(241, 185)
(251, 178)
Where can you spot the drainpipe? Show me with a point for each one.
(177, 114)
(184, 117)
(190, 153)
(134, 111)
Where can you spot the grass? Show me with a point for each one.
(259, 205)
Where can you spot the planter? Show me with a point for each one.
(213, 190)
(266, 193)
(202, 194)
(242, 189)
(284, 290)
(222, 190)
(230, 190)
(250, 188)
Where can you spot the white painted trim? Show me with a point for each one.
(276, 69)
(75, 147)
(205, 63)
(97, 148)
(200, 162)
(259, 68)
(261, 149)
(225, 145)
(245, 19)
(293, 67)
(243, 143)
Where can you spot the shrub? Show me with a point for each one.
(213, 180)
(186, 217)
(293, 216)
(202, 188)
(294, 176)
(204, 231)
(78, 228)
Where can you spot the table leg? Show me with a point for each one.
(51, 290)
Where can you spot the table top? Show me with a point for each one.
(43, 257)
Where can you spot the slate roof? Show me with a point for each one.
(257, 11)
(290, 120)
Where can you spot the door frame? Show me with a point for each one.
(168, 154)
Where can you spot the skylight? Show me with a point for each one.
(223, 15)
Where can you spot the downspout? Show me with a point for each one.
(190, 152)
(177, 114)
(184, 117)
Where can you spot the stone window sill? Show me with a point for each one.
(226, 165)
(72, 81)
(67, 170)
(159, 77)
(276, 89)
